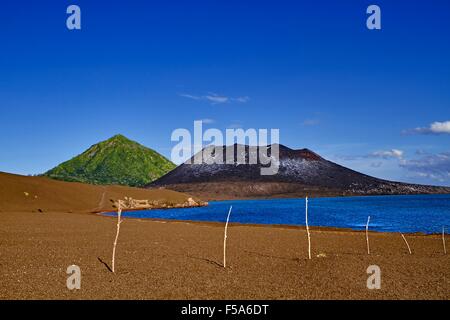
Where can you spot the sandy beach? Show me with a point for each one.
(181, 260)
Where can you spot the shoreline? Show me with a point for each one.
(262, 225)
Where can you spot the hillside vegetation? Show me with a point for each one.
(117, 160)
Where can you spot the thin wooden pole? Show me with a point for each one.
(409, 249)
(119, 221)
(367, 235)
(443, 240)
(225, 240)
(307, 229)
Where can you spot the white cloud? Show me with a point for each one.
(440, 127)
(215, 98)
(426, 165)
(242, 99)
(382, 154)
(185, 95)
(434, 128)
(433, 166)
(393, 153)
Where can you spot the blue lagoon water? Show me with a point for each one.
(418, 213)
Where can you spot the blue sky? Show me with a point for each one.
(366, 99)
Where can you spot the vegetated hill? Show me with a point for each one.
(41, 194)
(301, 172)
(117, 160)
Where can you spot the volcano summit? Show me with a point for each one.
(301, 172)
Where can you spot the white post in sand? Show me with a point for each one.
(409, 249)
(443, 240)
(367, 235)
(225, 240)
(119, 221)
(307, 229)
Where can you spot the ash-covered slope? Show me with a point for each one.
(301, 172)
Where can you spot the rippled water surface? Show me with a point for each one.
(423, 213)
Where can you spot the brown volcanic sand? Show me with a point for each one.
(178, 260)
(21, 193)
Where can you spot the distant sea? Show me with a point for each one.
(418, 213)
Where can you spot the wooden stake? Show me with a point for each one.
(119, 221)
(443, 240)
(409, 249)
(367, 235)
(307, 229)
(225, 240)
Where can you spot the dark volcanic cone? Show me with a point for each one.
(301, 172)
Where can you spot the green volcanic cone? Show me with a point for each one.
(117, 160)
